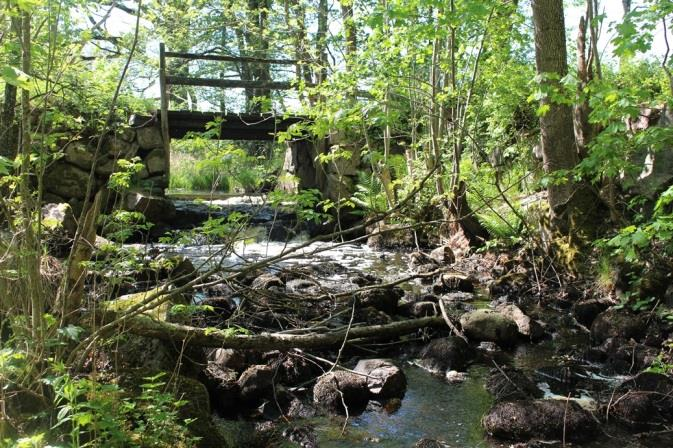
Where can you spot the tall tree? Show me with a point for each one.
(559, 151)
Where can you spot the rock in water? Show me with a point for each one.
(613, 323)
(540, 419)
(489, 325)
(440, 355)
(443, 255)
(335, 389)
(384, 379)
(527, 327)
(255, 383)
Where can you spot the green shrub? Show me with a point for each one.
(188, 174)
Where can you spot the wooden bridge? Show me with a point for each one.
(247, 126)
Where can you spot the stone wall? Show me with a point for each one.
(66, 180)
(335, 179)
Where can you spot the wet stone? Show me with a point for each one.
(450, 353)
(384, 379)
(489, 325)
(540, 419)
(335, 389)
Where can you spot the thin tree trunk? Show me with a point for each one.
(626, 4)
(321, 39)
(350, 31)
(9, 130)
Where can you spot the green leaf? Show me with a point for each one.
(15, 77)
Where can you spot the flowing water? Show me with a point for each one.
(432, 407)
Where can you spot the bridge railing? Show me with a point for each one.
(166, 80)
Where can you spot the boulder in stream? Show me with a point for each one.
(619, 323)
(267, 281)
(540, 419)
(255, 383)
(384, 379)
(335, 389)
(528, 327)
(450, 353)
(225, 393)
(384, 299)
(489, 325)
(642, 401)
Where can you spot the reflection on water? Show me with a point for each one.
(431, 408)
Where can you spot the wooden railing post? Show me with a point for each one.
(164, 109)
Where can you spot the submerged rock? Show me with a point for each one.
(450, 353)
(335, 389)
(428, 443)
(384, 379)
(540, 419)
(489, 325)
(508, 383)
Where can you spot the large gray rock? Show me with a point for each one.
(156, 209)
(78, 154)
(149, 137)
(335, 389)
(528, 327)
(66, 180)
(489, 325)
(540, 419)
(156, 162)
(119, 148)
(443, 255)
(384, 379)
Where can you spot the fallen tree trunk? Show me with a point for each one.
(208, 337)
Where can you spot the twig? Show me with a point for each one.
(448, 321)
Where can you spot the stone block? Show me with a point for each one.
(66, 180)
(149, 137)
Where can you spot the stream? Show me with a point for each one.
(432, 407)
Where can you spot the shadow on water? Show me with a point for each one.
(431, 408)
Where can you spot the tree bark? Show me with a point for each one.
(350, 31)
(626, 4)
(202, 337)
(559, 151)
(9, 129)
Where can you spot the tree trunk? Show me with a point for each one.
(556, 125)
(575, 208)
(9, 129)
(627, 6)
(350, 31)
(205, 337)
(321, 39)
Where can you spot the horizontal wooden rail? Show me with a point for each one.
(225, 58)
(230, 83)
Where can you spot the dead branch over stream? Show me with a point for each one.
(209, 337)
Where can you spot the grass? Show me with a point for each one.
(187, 174)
